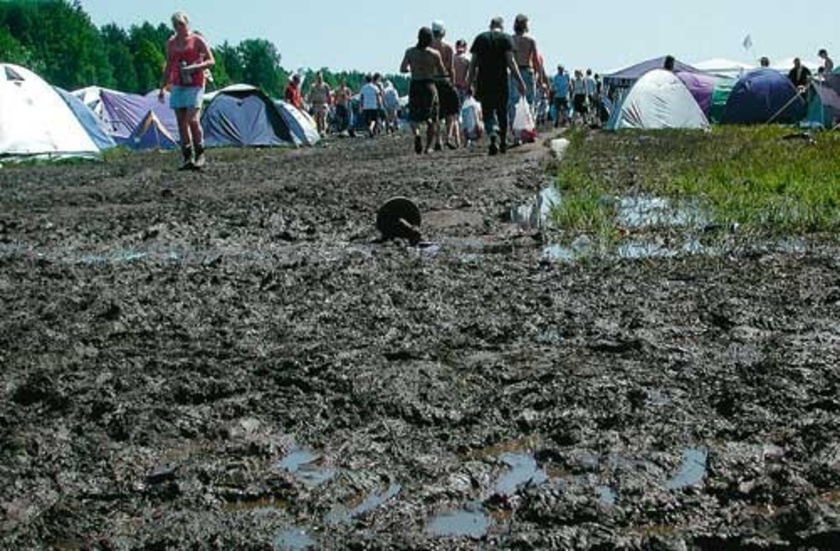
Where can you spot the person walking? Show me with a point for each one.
(560, 88)
(528, 60)
(343, 95)
(828, 63)
(448, 97)
(424, 63)
(319, 100)
(370, 97)
(292, 93)
(491, 65)
(187, 58)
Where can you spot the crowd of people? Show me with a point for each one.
(491, 80)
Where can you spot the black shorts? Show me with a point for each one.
(448, 98)
(580, 104)
(423, 101)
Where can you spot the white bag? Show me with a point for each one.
(523, 121)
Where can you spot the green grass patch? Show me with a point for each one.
(751, 176)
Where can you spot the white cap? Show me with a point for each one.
(437, 27)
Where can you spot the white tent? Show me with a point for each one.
(723, 67)
(658, 100)
(302, 125)
(36, 121)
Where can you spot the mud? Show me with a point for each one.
(231, 360)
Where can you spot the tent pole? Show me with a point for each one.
(788, 104)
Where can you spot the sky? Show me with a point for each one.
(372, 35)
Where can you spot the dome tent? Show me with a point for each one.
(764, 96)
(35, 121)
(658, 100)
(243, 116)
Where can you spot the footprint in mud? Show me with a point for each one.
(307, 467)
(293, 540)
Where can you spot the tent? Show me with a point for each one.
(35, 121)
(150, 134)
(303, 127)
(242, 115)
(91, 123)
(625, 78)
(702, 87)
(723, 67)
(720, 95)
(123, 113)
(659, 99)
(823, 106)
(764, 96)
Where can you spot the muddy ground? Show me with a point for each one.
(228, 360)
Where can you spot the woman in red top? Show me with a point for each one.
(292, 93)
(187, 57)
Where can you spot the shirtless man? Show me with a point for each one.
(424, 63)
(461, 65)
(447, 96)
(528, 60)
(342, 106)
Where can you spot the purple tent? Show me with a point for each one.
(125, 112)
(627, 76)
(701, 87)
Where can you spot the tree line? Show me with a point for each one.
(57, 40)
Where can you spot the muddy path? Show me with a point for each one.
(227, 360)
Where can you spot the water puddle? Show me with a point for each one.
(523, 471)
(461, 523)
(293, 540)
(307, 467)
(534, 215)
(692, 471)
(606, 495)
(344, 515)
(642, 211)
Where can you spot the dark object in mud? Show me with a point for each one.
(399, 217)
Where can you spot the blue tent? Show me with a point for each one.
(242, 116)
(150, 134)
(764, 96)
(90, 122)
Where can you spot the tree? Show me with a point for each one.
(121, 59)
(13, 51)
(228, 63)
(261, 65)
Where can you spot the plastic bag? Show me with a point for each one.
(523, 121)
(471, 119)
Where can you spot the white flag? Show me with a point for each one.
(747, 42)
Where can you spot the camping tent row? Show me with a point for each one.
(691, 98)
(38, 120)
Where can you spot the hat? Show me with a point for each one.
(497, 23)
(437, 27)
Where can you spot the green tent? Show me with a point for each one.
(823, 106)
(723, 87)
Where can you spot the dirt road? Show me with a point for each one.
(227, 360)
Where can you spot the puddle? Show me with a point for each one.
(462, 523)
(523, 470)
(534, 215)
(692, 471)
(307, 467)
(606, 495)
(293, 540)
(648, 212)
(342, 515)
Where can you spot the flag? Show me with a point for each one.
(747, 42)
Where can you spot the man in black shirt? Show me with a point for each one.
(492, 58)
(800, 75)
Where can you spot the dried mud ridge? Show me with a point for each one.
(225, 360)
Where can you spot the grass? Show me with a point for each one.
(750, 176)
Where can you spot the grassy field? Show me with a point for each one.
(768, 181)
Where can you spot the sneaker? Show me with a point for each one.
(418, 145)
(438, 147)
(451, 145)
(503, 147)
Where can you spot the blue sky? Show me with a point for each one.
(371, 35)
